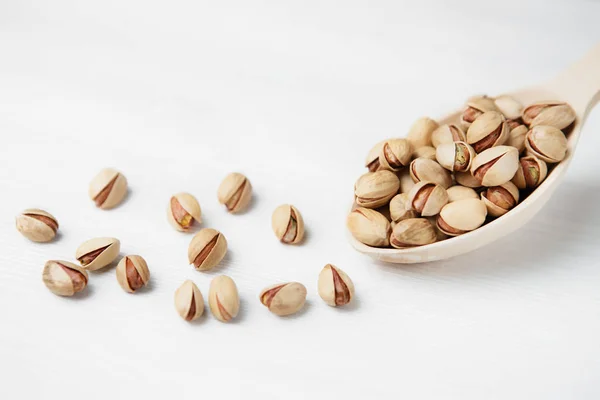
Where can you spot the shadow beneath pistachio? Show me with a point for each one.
(84, 294)
(109, 268)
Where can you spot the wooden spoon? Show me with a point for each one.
(578, 85)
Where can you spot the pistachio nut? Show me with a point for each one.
(461, 216)
(132, 273)
(182, 211)
(456, 156)
(439, 235)
(97, 253)
(468, 180)
(375, 189)
(334, 286)
(488, 130)
(412, 232)
(37, 225)
(551, 113)
(516, 137)
(496, 165)
(395, 154)
(284, 298)
(531, 172)
(406, 181)
(287, 223)
(459, 192)
(425, 170)
(64, 278)
(207, 249)
(235, 192)
(508, 106)
(447, 133)
(400, 208)
(475, 107)
(420, 132)
(372, 161)
(223, 298)
(427, 198)
(369, 227)
(546, 143)
(108, 188)
(500, 199)
(188, 301)
(425, 152)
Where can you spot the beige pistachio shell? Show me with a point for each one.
(132, 273)
(550, 113)
(447, 133)
(475, 107)
(439, 235)
(287, 224)
(427, 198)
(372, 161)
(235, 192)
(395, 154)
(425, 170)
(462, 216)
(369, 227)
(98, 253)
(406, 180)
(182, 211)
(508, 106)
(64, 278)
(459, 192)
(531, 172)
(400, 208)
(375, 189)
(425, 152)
(334, 286)
(188, 301)
(108, 188)
(412, 232)
(284, 298)
(420, 132)
(500, 199)
(207, 248)
(488, 130)
(546, 143)
(496, 165)
(37, 225)
(456, 156)
(223, 298)
(468, 180)
(516, 137)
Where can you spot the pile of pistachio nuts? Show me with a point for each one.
(206, 250)
(446, 180)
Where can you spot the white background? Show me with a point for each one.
(176, 95)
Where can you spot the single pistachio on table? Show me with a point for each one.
(369, 227)
(64, 278)
(488, 130)
(400, 208)
(37, 225)
(550, 113)
(500, 199)
(425, 170)
(516, 137)
(509, 107)
(412, 232)
(188, 301)
(235, 192)
(132, 273)
(334, 286)
(425, 152)
(287, 223)
(284, 298)
(372, 161)
(223, 298)
(459, 192)
(461, 216)
(395, 154)
(207, 248)
(456, 156)
(97, 253)
(546, 143)
(427, 198)
(182, 211)
(406, 180)
(531, 172)
(467, 180)
(496, 165)
(375, 189)
(447, 133)
(420, 132)
(476, 106)
(108, 188)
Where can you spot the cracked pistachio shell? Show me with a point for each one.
(531, 172)
(37, 225)
(546, 143)
(64, 278)
(132, 273)
(284, 298)
(372, 161)
(400, 208)
(235, 192)
(474, 108)
(413, 232)
(98, 252)
(516, 137)
(459, 192)
(456, 156)
(500, 199)
(425, 152)
(420, 132)
(375, 189)
(406, 181)
(369, 227)
(287, 224)
(207, 249)
(496, 165)
(550, 113)
(425, 170)
(395, 154)
(447, 133)
(461, 216)
(439, 235)
(188, 301)
(108, 188)
(488, 130)
(509, 106)
(468, 180)
(334, 286)
(182, 211)
(223, 298)
(427, 198)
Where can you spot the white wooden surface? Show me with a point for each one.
(177, 94)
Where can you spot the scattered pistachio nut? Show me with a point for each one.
(395, 154)
(372, 161)
(488, 130)
(188, 301)
(425, 170)
(425, 152)
(456, 156)
(334, 286)
(375, 189)
(132, 273)
(531, 172)
(461, 216)
(37, 225)
(223, 298)
(516, 137)
(550, 113)
(287, 223)
(400, 208)
(108, 188)
(427, 198)
(235, 192)
(496, 165)
(459, 192)
(467, 180)
(447, 133)
(97, 253)
(182, 211)
(420, 132)
(207, 249)
(412, 232)
(546, 143)
(64, 278)
(500, 199)
(509, 107)
(369, 227)
(475, 107)
(284, 298)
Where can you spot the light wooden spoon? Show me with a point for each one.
(579, 85)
